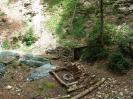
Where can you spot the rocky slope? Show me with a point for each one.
(30, 12)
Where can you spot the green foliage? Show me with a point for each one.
(117, 63)
(15, 41)
(29, 38)
(78, 27)
(7, 1)
(64, 20)
(68, 18)
(121, 35)
(108, 2)
(69, 43)
(94, 52)
(113, 34)
(5, 44)
(107, 40)
(23, 39)
(2, 13)
(46, 85)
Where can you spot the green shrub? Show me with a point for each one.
(29, 38)
(69, 43)
(78, 27)
(117, 63)
(65, 19)
(107, 38)
(45, 86)
(94, 52)
(5, 44)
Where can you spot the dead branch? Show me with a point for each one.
(73, 88)
(61, 81)
(61, 97)
(89, 90)
(72, 83)
(58, 79)
(60, 69)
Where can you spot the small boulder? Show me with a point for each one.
(32, 63)
(36, 58)
(9, 87)
(8, 56)
(40, 72)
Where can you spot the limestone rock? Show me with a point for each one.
(41, 72)
(32, 63)
(36, 58)
(8, 56)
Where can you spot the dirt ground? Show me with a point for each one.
(14, 85)
(9, 26)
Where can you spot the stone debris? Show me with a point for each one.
(9, 87)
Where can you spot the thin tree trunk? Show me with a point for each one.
(101, 22)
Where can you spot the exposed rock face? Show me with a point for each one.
(36, 58)
(8, 56)
(33, 61)
(124, 11)
(42, 66)
(124, 6)
(64, 54)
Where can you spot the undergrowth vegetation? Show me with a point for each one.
(5, 44)
(45, 86)
(68, 21)
(118, 63)
(28, 38)
(94, 51)
(114, 38)
(65, 19)
(25, 38)
(77, 21)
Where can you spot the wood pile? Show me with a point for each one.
(81, 81)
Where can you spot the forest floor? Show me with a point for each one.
(14, 85)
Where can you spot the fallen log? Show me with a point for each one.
(60, 69)
(73, 88)
(61, 81)
(61, 97)
(58, 79)
(83, 93)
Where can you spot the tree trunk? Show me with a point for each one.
(101, 22)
